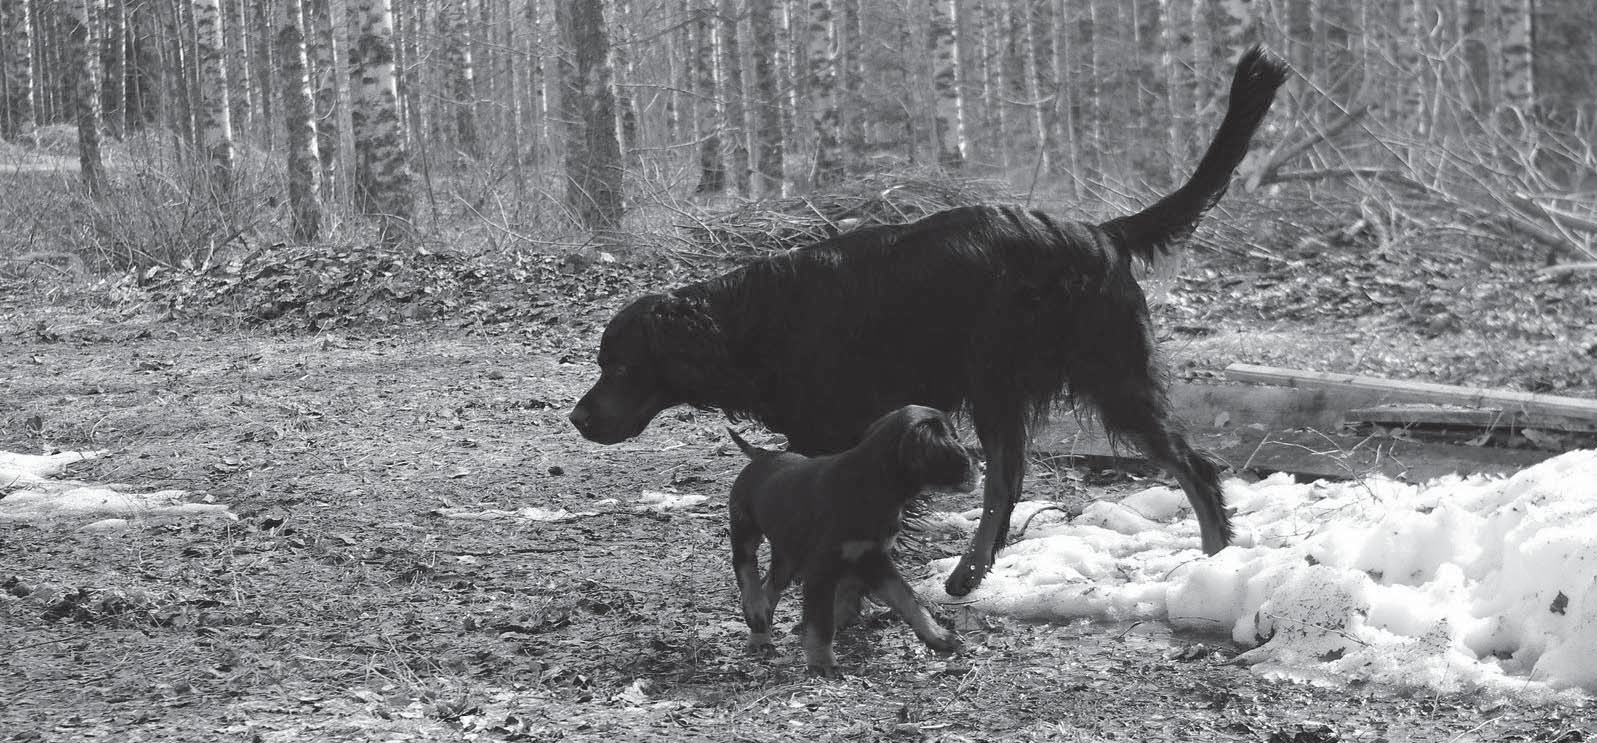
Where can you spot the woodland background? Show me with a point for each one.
(251, 123)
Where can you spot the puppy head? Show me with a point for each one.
(928, 448)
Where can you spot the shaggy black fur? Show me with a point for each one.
(998, 311)
(832, 521)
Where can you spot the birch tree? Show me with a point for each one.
(17, 120)
(322, 55)
(460, 87)
(114, 53)
(827, 167)
(1516, 49)
(948, 117)
(707, 122)
(304, 182)
(593, 153)
(215, 124)
(1065, 95)
(732, 114)
(768, 105)
(82, 50)
(1177, 53)
(382, 186)
(1037, 88)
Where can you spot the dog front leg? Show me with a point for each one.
(1006, 466)
(889, 587)
(757, 603)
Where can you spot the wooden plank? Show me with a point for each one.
(1208, 405)
(1223, 405)
(1311, 455)
(1401, 391)
(1431, 415)
(1481, 418)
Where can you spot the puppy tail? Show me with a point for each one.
(749, 450)
(1168, 223)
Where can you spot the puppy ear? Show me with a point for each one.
(931, 455)
(691, 348)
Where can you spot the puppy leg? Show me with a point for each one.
(757, 604)
(850, 590)
(783, 570)
(820, 591)
(888, 586)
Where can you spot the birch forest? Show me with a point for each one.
(586, 116)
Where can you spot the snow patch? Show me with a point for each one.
(28, 494)
(1456, 584)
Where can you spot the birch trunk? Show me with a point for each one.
(304, 182)
(382, 164)
(769, 141)
(215, 122)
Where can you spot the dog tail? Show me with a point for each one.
(1166, 224)
(749, 450)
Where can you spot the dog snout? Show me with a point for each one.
(581, 418)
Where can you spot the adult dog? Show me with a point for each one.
(997, 310)
(832, 521)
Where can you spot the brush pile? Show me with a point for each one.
(776, 225)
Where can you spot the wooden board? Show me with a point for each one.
(1265, 429)
(1454, 417)
(1393, 390)
(1306, 454)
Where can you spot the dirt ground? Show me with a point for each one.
(345, 603)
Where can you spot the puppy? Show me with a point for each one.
(832, 521)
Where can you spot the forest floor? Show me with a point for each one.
(390, 575)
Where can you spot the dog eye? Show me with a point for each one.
(617, 370)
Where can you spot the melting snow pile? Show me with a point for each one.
(1456, 584)
(27, 494)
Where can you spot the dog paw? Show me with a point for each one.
(760, 644)
(947, 642)
(826, 672)
(966, 576)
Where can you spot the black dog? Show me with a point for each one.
(997, 310)
(832, 521)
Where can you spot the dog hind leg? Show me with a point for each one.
(1199, 478)
(1134, 407)
(845, 610)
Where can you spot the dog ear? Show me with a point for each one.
(691, 348)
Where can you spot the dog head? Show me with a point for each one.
(928, 449)
(661, 350)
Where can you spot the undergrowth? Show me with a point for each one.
(327, 287)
